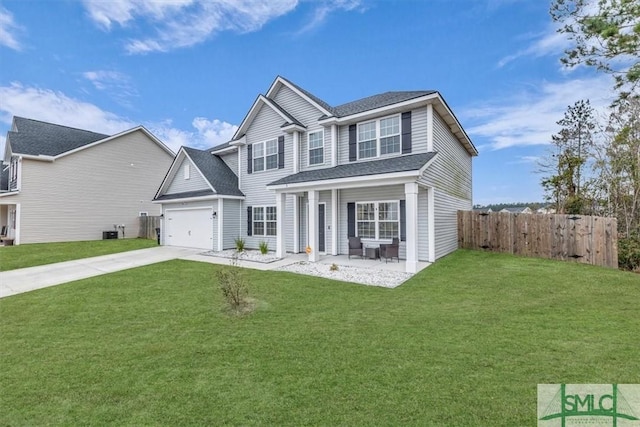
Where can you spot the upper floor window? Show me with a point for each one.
(316, 148)
(265, 155)
(379, 137)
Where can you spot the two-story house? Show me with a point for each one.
(63, 184)
(302, 175)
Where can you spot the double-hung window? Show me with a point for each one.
(265, 220)
(265, 155)
(316, 147)
(378, 220)
(379, 137)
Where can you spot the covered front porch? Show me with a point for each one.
(324, 217)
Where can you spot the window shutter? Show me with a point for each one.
(249, 158)
(406, 132)
(249, 221)
(353, 144)
(351, 219)
(403, 221)
(281, 152)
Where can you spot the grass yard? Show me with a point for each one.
(464, 343)
(21, 256)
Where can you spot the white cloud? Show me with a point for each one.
(529, 117)
(116, 84)
(549, 42)
(8, 30)
(56, 107)
(184, 23)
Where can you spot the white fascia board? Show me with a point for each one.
(351, 182)
(381, 110)
(196, 199)
(293, 127)
(457, 129)
(426, 165)
(240, 141)
(9, 193)
(171, 172)
(224, 150)
(254, 111)
(284, 82)
(40, 158)
(118, 135)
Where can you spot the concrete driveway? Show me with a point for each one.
(15, 282)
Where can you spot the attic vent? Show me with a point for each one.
(187, 171)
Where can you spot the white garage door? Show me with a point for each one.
(190, 228)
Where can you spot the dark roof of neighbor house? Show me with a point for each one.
(186, 194)
(216, 171)
(35, 138)
(375, 167)
(377, 101)
(515, 209)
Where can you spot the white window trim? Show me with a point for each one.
(376, 221)
(317, 148)
(377, 121)
(264, 220)
(264, 155)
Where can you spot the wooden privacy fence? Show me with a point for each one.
(581, 238)
(148, 224)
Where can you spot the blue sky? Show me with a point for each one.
(189, 70)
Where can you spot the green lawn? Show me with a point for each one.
(464, 343)
(21, 256)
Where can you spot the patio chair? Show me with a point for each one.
(391, 250)
(355, 247)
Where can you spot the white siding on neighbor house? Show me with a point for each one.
(266, 125)
(308, 115)
(418, 137)
(181, 185)
(232, 227)
(78, 196)
(446, 221)
(231, 159)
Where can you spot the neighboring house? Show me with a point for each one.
(549, 209)
(66, 184)
(518, 210)
(301, 174)
(483, 210)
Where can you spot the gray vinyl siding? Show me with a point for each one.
(181, 185)
(450, 175)
(232, 227)
(308, 115)
(266, 125)
(451, 170)
(80, 195)
(446, 221)
(423, 225)
(418, 137)
(231, 159)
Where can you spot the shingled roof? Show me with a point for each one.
(216, 171)
(377, 101)
(38, 138)
(408, 163)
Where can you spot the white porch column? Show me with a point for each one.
(334, 222)
(296, 224)
(431, 221)
(411, 195)
(313, 225)
(220, 223)
(334, 145)
(430, 127)
(296, 150)
(281, 201)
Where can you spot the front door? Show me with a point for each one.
(321, 227)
